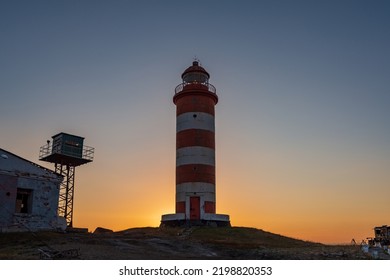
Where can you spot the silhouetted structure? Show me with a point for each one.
(382, 235)
(66, 151)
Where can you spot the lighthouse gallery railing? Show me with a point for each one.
(182, 86)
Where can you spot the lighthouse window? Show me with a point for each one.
(195, 115)
(195, 78)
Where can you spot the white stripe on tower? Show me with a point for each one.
(195, 155)
(195, 120)
(195, 186)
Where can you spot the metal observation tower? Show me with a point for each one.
(66, 151)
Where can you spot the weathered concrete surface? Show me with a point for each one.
(38, 184)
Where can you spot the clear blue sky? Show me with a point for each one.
(303, 122)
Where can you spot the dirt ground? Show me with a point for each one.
(170, 243)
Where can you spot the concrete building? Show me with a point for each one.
(28, 195)
(195, 99)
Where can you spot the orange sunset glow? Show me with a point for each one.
(301, 127)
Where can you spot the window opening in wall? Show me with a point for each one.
(23, 201)
(194, 115)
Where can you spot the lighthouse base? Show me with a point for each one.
(179, 220)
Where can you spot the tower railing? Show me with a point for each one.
(182, 86)
(87, 152)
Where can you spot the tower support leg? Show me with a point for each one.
(65, 201)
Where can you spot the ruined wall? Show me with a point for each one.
(28, 195)
(43, 204)
(7, 199)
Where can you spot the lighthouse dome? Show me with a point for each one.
(195, 74)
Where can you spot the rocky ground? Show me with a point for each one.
(170, 243)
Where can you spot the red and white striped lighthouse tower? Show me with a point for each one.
(195, 100)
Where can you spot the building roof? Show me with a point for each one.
(14, 165)
(64, 133)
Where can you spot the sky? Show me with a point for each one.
(302, 122)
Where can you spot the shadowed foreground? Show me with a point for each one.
(170, 243)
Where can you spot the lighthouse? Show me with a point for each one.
(195, 99)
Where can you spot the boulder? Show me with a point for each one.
(100, 230)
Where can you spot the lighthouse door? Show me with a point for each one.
(195, 208)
